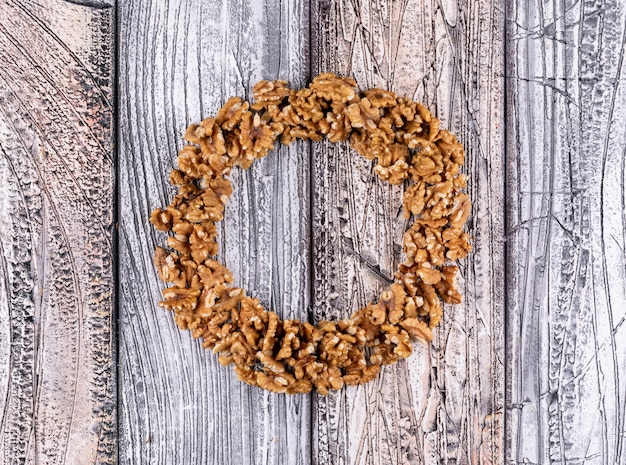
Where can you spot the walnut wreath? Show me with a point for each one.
(288, 355)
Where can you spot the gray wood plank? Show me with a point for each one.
(57, 345)
(566, 226)
(445, 403)
(179, 62)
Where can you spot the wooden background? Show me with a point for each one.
(94, 98)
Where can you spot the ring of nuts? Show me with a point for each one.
(289, 355)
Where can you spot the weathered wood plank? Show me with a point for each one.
(566, 226)
(179, 62)
(57, 357)
(445, 403)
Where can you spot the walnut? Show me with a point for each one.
(177, 298)
(378, 314)
(359, 141)
(446, 287)
(268, 342)
(414, 243)
(431, 124)
(392, 345)
(300, 387)
(291, 356)
(380, 98)
(266, 92)
(256, 137)
(460, 211)
(206, 309)
(331, 87)
(361, 374)
(306, 105)
(371, 144)
(427, 273)
(213, 273)
(432, 304)
(222, 188)
(306, 366)
(246, 374)
(179, 178)
(227, 338)
(274, 382)
(395, 173)
(208, 135)
(270, 363)
(450, 147)
(192, 164)
(231, 114)
(435, 247)
(413, 135)
(336, 126)
(329, 378)
(181, 246)
(456, 242)
(417, 328)
(393, 153)
(168, 267)
(424, 250)
(414, 199)
(368, 319)
(302, 131)
(363, 115)
(334, 348)
(288, 117)
(392, 303)
(205, 205)
(399, 340)
(427, 164)
(162, 220)
(435, 201)
(228, 297)
(239, 352)
(413, 306)
(189, 272)
(290, 341)
(403, 112)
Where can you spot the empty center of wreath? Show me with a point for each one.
(321, 244)
(292, 356)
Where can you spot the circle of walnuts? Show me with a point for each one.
(289, 355)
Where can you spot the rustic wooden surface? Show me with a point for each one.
(311, 232)
(566, 226)
(57, 344)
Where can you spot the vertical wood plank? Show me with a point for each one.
(445, 403)
(57, 357)
(179, 62)
(566, 271)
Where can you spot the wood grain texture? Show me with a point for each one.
(179, 62)
(57, 357)
(566, 268)
(445, 403)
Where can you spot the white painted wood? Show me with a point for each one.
(57, 343)
(312, 233)
(566, 224)
(179, 62)
(445, 403)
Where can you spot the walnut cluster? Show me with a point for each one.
(288, 355)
